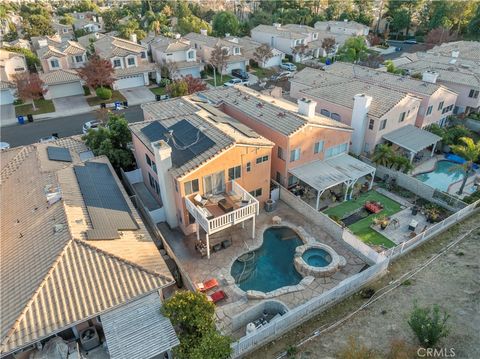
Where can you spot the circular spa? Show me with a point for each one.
(317, 260)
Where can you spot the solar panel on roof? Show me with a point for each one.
(59, 154)
(106, 205)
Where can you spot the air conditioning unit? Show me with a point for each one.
(89, 338)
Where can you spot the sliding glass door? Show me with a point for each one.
(214, 183)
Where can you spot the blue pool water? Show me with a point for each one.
(442, 176)
(317, 257)
(271, 266)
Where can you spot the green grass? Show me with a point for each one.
(220, 80)
(159, 90)
(116, 96)
(263, 73)
(362, 228)
(43, 106)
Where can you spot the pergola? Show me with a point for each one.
(322, 175)
(413, 139)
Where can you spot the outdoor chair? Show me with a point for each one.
(218, 296)
(207, 285)
(200, 200)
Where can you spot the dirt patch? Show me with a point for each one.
(452, 281)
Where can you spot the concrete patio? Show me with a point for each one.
(199, 269)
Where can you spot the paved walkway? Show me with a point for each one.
(138, 95)
(7, 115)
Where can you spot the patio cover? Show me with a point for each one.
(323, 175)
(138, 330)
(412, 138)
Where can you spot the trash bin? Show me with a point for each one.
(125, 104)
(103, 105)
(118, 105)
(21, 120)
(270, 205)
(158, 97)
(30, 117)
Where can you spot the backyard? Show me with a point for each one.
(362, 228)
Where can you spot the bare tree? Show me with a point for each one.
(263, 53)
(300, 50)
(30, 87)
(168, 68)
(328, 44)
(218, 60)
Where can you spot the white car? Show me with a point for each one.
(47, 139)
(282, 75)
(234, 82)
(288, 66)
(4, 146)
(91, 125)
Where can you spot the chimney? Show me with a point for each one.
(133, 38)
(455, 53)
(163, 161)
(277, 25)
(203, 32)
(361, 106)
(430, 76)
(306, 107)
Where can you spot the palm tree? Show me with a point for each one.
(470, 151)
(383, 155)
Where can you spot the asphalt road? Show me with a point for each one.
(394, 55)
(18, 135)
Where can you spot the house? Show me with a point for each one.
(76, 263)
(89, 25)
(42, 41)
(62, 83)
(300, 135)
(437, 100)
(351, 28)
(209, 171)
(21, 43)
(61, 55)
(249, 48)
(11, 63)
(467, 50)
(178, 53)
(129, 60)
(64, 31)
(204, 45)
(370, 109)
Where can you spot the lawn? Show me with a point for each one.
(362, 228)
(263, 73)
(159, 90)
(116, 96)
(220, 80)
(43, 106)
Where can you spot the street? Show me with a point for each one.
(18, 135)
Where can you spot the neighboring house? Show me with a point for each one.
(62, 83)
(64, 31)
(351, 28)
(209, 171)
(7, 93)
(249, 47)
(41, 41)
(178, 53)
(62, 56)
(11, 63)
(76, 277)
(21, 43)
(300, 136)
(10, 22)
(437, 100)
(466, 50)
(458, 73)
(87, 25)
(129, 60)
(204, 45)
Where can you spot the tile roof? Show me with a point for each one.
(249, 46)
(149, 67)
(174, 107)
(468, 49)
(346, 24)
(208, 40)
(51, 276)
(279, 31)
(61, 49)
(108, 46)
(276, 114)
(60, 76)
(166, 44)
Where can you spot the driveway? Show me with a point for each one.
(7, 115)
(138, 95)
(71, 105)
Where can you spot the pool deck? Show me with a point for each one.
(218, 266)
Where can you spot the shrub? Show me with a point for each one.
(86, 91)
(355, 350)
(103, 93)
(17, 102)
(429, 325)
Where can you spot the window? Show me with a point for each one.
(249, 166)
(117, 63)
(262, 159)
(440, 106)
(191, 219)
(79, 58)
(54, 63)
(295, 155)
(18, 69)
(234, 172)
(336, 150)
(214, 183)
(149, 161)
(315, 36)
(318, 147)
(473, 94)
(325, 112)
(429, 110)
(154, 184)
(278, 177)
(292, 180)
(256, 193)
(143, 55)
(335, 116)
(154, 167)
(191, 186)
(190, 55)
(371, 123)
(402, 117)
(236, 51)
(383, 124)
(131, 61)
(280, 153)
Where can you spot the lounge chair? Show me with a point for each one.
(218, 296)
(207, 285)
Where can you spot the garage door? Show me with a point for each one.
(64, 90)
(6, 97)
(129, 82)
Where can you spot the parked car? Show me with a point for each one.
(91, 125)
(47, 139)
(4, 146)
(240, 74)
(410, 41)
(234, 82)
(282, 75)
(288, 66)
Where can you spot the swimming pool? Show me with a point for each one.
(271, 266)
(317, 257)
(442, 176)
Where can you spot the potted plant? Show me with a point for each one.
(433, 215)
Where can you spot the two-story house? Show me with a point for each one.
(129, 59)
(249, 47)
(351, 28)
(11, 64)
(204, 45)
(177, 55)
(64, 31)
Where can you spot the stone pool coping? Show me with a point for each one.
(306, 270)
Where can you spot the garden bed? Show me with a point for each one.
(116, 96)
(43, 106)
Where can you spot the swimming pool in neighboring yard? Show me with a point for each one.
(442, 176)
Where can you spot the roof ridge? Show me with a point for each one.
(10, 167)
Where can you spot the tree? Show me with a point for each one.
(67, 19)
(192, 24)
(112, 141)
(218, 59)
(300, 50)
(186, 86)
(392, 69)
(97, 72)
(130, 28)
(474, 24)
(37, 25)
(177, 88)
(439, 36)
(328, 44)
(262, 54)
(354, 49)
(470, 152)
(29, 87)
(193, 315)
(400, 20)
(225, 22)
(32, 59)
(194, 84)
(155, 21)
(383, 155)
(428, 325)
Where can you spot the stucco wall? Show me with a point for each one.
(434, 100)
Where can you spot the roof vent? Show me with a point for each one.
(430, 76)
(259, 105)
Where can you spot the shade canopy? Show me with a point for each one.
(412, 138)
